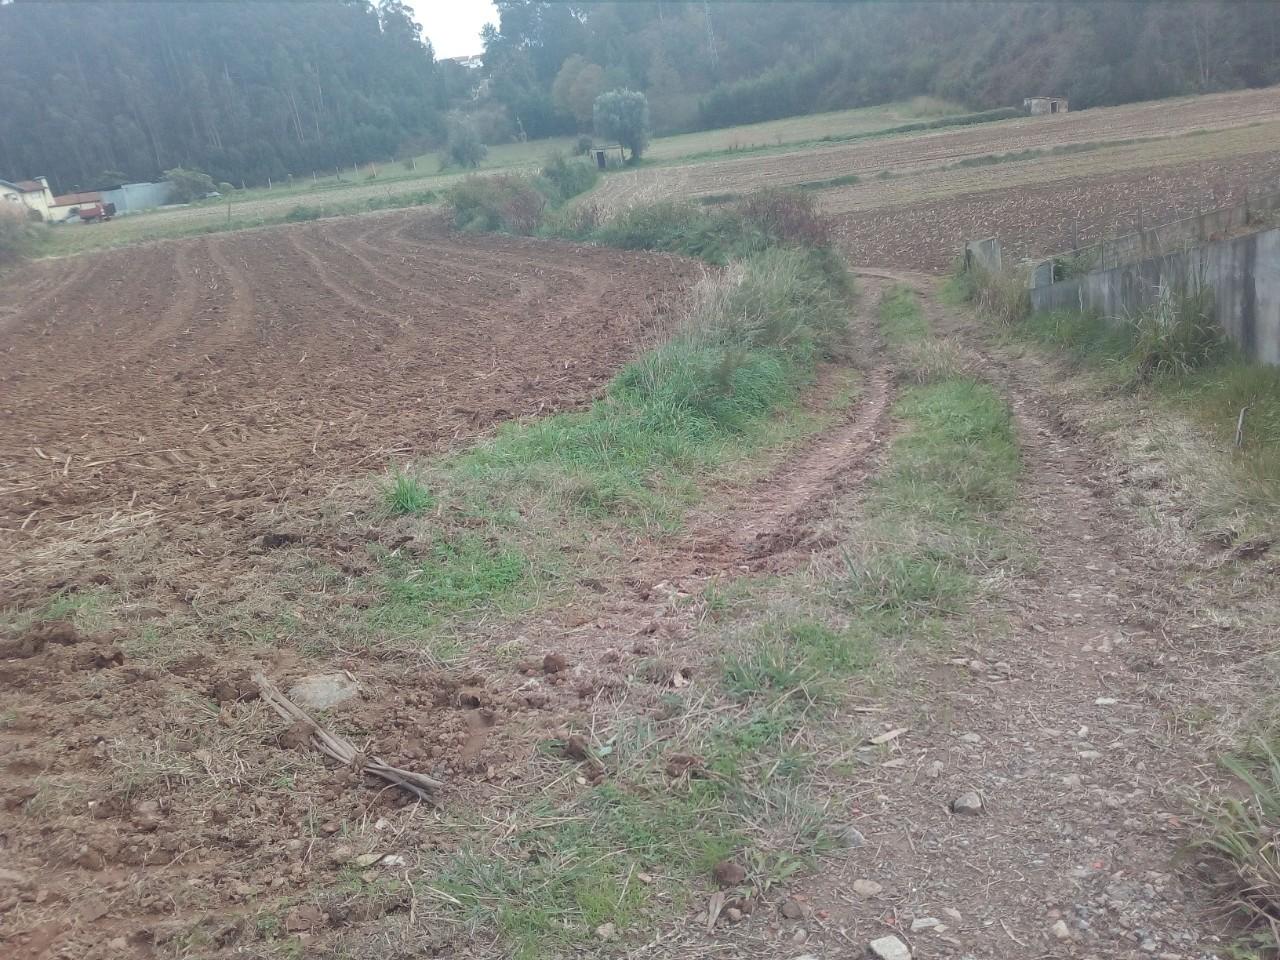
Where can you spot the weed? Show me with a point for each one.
(301, 213)
(465, 572)
(804, 660)
(502, 203)
(1240, 840)
(1177, 335)
(405, 494)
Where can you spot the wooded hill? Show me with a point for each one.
(718, 64)
(97, 92)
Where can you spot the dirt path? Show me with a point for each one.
(1062, 714)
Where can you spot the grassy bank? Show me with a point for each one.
(501, 517)
(1171, 358)
(742, 781)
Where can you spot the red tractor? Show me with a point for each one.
(97, 212)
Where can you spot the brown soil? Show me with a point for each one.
(1052, 218)
(218, 378)
(907, 152)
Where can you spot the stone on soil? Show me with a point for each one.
(867, 888)
(968, 804)
(323, 691)
(889, 948)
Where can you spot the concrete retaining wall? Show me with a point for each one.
(1174, 235)
(1243, 273)
(983, 254)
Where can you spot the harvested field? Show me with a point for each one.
(1045, 218)
(212, 378)
(918, 151)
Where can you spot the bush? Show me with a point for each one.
(463, 148)
(505, 203)
(226, 189)
(577, 222)
(790, 218)
(749, 226)
(623, 116)
(583, 146)
(1177, 335)
(20, 236)
(302, 212)
(561, 179)
(189, 185)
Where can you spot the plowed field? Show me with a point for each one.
(214, 377)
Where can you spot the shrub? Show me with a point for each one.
(623, 115)
(1177, 335)
(20, 236)
(583, 145)
(302, 212)
(577, 222)
(463, 147)
(561, 179)
(506, 203)
(188, 185)
(226, 189)
(749, 226)
(790, 218)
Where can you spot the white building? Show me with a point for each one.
(32, 194)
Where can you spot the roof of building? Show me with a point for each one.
(30, 186)
(67, 199)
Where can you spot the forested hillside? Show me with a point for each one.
(96, 92)
(108, 91)
(717, 64)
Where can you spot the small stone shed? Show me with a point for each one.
(1039, 105)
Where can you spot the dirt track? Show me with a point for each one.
(217, 376)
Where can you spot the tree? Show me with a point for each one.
(189, 185)
(576, 87)
(463, 147)
(623, 115)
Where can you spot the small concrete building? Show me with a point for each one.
(32, 194)
(1038, 105)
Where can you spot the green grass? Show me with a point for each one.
(901, 320)
(406, 495)
(634, 461)
(1206, 381)
(933, 511)
(799, 659)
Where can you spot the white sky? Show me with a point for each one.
(453, 26)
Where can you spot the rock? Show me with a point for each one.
(729, 873)
(554, 663)
(1060, 930)
(793, 909)
(970, 738)
(953, 914)
(889, 948)
(849, 837)
(1073, 781)
(323, 691)
(867, 888)
(606, 931)
(934, 770)
(968, 804)
(924, 923)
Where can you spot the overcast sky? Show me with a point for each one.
(453, 26)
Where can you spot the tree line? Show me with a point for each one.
(714, 64)
(95, 93)
(92, 93)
